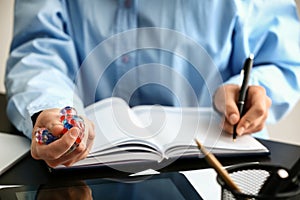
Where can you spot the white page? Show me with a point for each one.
(115, 123)
(170, 125)
(164, 126)
(180, 126)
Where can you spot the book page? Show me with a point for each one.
(176, 128)
(160, 131)
(116, 124)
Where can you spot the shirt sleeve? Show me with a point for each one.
(269, 30)
(42, 65)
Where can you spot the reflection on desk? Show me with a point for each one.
(163, 186)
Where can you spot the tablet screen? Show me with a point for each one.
(163, 186)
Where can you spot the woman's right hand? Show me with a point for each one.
(58, 152)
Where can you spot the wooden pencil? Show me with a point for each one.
(212, 161)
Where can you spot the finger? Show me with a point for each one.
(252, 124)
(85, 147)
(59, 147)
(81, 152)
(68, 159)
(255, 117)
(226, 126)
(91, 134)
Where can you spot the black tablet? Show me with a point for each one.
(173, 186)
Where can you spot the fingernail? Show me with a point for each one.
(233, 118)
(240, 131)
(74, 133)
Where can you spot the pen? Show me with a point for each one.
(244, 88)
(212, 160)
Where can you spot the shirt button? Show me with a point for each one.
(127, 3)
(125, 59)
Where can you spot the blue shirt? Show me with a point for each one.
(170, 52)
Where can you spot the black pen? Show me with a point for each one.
(244, 88)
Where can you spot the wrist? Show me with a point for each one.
(34, 117)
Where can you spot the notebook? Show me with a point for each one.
(12, 149)
(155, 133)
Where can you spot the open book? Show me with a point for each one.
(155, 133)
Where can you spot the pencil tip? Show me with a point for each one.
(198, 142)
(233, 140)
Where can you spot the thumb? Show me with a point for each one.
(73, 133)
